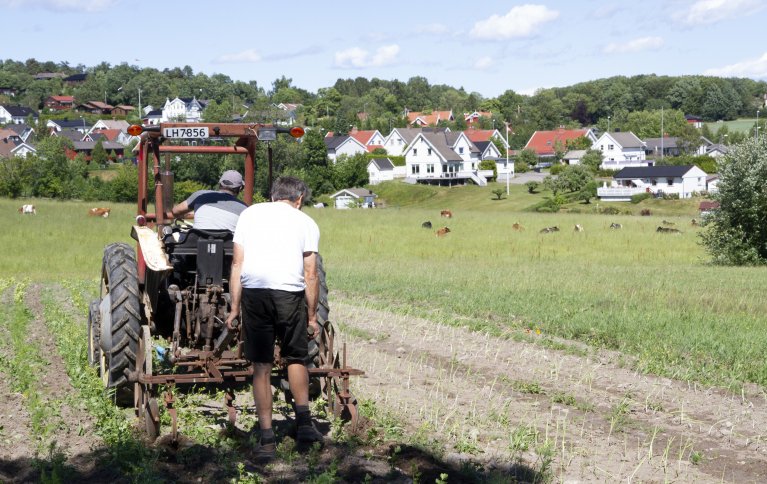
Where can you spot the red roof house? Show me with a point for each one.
(545, 143)
(59, 103)
(416, 118)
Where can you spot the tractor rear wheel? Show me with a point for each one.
(94, 328)
(119, 281)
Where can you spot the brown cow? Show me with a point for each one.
(446, 213)
(694, 223)
(518, 227)
(442, 232)
(99, 212)
(27, 209)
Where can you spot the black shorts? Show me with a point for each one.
(270, 314)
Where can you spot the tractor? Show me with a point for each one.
(160, 317)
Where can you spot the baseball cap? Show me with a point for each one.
(231, 179)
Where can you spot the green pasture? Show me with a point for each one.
(743, 125)
(649, 295)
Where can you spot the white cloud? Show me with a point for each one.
(63, 5)
(245, 56)
(711, 11)
(483, 63)
(432, 29)
(636, 45)
(746, 68)
(357, 58)
(521, 21)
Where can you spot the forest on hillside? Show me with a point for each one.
(385, 102)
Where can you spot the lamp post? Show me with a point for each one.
(756, 133)
(608, 124)
(140, 114)
(509, 171)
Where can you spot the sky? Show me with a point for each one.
(486, 46)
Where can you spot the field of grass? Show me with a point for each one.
(650, 295)
(743, 125)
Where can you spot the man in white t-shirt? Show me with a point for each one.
(274, 279)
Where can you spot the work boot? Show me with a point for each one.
(265, 451)
(308, 434)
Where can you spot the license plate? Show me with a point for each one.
(185, 132)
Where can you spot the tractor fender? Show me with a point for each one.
(105, 310)
(151, 249)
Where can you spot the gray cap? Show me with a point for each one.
(231, 179)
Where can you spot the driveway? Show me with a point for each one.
(522, 178)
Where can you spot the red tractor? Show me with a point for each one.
(168, 299)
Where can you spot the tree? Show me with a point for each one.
(99, 154)
(532, 186)
(528, 156)
(350, 171)
(574, 177)
(736, 232)
(498, 192)
(592, 159)
(588, 192)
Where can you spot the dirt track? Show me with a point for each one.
(514, 408)
(604, 422)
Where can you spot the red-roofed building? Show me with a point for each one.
(417, 119)
(372, 139)
(545, 143)
(476, 135)
(59, 103)
(472, 118)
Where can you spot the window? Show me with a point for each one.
(654, 182)
(669, 181)
(415, 169)
(610, 147)
(429, 151)
(460, 150)
(400, 141)
(430, 168)
(415, 151)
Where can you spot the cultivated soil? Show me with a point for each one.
(469, 405)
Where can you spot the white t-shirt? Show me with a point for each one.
(274, 237)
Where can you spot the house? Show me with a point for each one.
(59, 103)
(86, 148)
(122, 110)
(485, 135)
(717, 150)
(120, 124)
(95, 107)
(461, 144)
(707, 206)
(371, 139)
(47, 76)
(290, 110)
(152, 117)
(712, 183)
(352, 197)
(12, 145)
(487, 150)
(661, 147)
(573, 157)
(472, 118)
(419, 119)
(184, 109)
(547, 143)
(620, 150)
(433, 158)
(696, 121)
(343, 145)
(114, 135)
(658, 180)
(8, 91)
(23, 131)
(16, 114)
(59, 124)
(75, 79)
(71, 134)
(400, 138)
(379, 170)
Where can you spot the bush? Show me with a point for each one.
(521, 167)
(640, 196)
(670, 196)
(645, 212)
(532, 186)
(613, 211)
(557, 169)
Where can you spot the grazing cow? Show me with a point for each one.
(694, 223)
(320, 205)
(549, 230)
(99, 212)
(27, 210)
(446, 213)
(616, 226)
(426, 225)
(578, 228)
(666, 222)
(518, 227)
(442, 232)
(668, 230)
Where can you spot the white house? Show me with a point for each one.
(620, 150)
(658, 180)
(16, 114)
(573, 157)
(12, 145)
(400, 138)
(379, 170)
(352, 197)
(712, 183)
(59, 125)
(290, 110)
(25, 132)
(184, 109)
(343, 145)
(120, 124)
(432, 158)
(372, 139)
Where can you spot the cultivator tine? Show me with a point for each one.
(169, 399)
(229, 401)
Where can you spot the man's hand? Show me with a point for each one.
(230, 320)
(313, 328)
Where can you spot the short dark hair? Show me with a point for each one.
(289, 188)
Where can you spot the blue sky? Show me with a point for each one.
(487, 46)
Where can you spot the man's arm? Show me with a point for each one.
(179, 210)
(312, 280)
(235, 285)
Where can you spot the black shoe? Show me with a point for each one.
(307, 434)
(265, 452)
